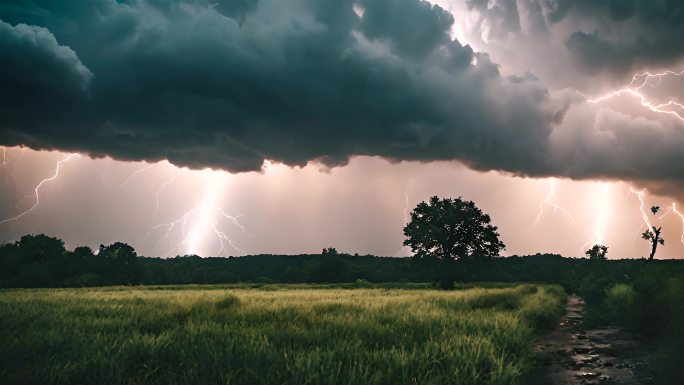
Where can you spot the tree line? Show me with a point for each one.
(43, 261)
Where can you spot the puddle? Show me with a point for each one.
(574, 355)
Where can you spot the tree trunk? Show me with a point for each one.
(654, 246)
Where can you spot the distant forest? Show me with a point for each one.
(43, 261)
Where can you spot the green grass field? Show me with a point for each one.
(272, 335)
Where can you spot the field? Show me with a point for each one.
(272, 335)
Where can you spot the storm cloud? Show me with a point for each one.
(230, 84)
(613, 38)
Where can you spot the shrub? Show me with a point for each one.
(620, 300)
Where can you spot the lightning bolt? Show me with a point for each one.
(203, 221)
(124, 185)
(634, 88)
(159, 191)
(552, 200)
(672, 209)
(602, 217)
(640, 194)
(681, 217)
(36, 191)
(407, 216)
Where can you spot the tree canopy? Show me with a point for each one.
(597, 252)
(451, 229)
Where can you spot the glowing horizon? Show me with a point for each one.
(208, 225)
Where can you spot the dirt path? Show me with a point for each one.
(573, 355)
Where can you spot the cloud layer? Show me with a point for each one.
(229, 84)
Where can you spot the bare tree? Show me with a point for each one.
(654, 237)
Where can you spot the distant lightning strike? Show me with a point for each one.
(552, 200)
(671, 107)
(160, 190)
(602, 214)
(673, 210)
(203, 221)
(124, 185)
(634, 88)
(681, 217)
(640, 194)
(37, 189)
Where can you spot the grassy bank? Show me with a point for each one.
(649, 303)
(276, 336)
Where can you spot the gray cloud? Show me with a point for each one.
(629, 35)
(291, 82)
(609, 37)
(230, 84)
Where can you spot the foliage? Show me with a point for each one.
(450, 229)
(118, 252)
(81, 267)
(654, 237)
(331, 251)
(650, 303)
(597, 252)
(619, 301)
(39, 248)
(293, 335)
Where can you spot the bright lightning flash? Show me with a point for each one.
(602, 214)
(635, 87)
(552, 200)
(203, 222)
(38, 187)
(640, 194)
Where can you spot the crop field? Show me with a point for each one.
(278, 335)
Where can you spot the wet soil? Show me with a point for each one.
(574, 355)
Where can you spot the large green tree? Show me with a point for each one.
(118, 252)
(451, 229)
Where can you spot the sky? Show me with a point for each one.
(285, 126)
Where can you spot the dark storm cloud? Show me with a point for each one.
(41, 80)
(229, 84)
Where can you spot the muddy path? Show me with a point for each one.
(574, 355)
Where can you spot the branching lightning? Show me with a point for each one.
(36, 191)
(551, 199)
(672, 209)
(635, 87)
(640, 194)
(203, 220)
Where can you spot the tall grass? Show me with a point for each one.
(283, 336)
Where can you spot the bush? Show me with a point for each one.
(593, 289)
(620, 300)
